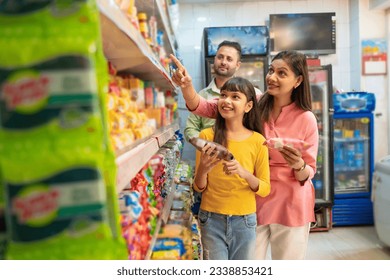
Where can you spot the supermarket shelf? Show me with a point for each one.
(348, 168)
(126, 49)
(153, 241)
(163, 219)
(348, 140)
(130, 162)
(150, 8)
(164, 136)
(168, 203)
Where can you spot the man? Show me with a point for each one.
(226, 62)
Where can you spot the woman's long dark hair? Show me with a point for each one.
(300, 95)
(250, 120)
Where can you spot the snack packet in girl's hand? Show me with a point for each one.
(278, 143)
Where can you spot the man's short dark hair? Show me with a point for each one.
(232, 44)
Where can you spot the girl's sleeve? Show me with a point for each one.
(262, 171)
(206, 108)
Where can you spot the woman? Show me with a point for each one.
(285, 215)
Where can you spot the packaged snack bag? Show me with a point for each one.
(278, 143)
(57, 165)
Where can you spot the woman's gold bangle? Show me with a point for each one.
(300, 169)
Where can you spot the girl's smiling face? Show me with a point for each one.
(233, 104)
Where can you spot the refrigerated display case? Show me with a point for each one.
(353, 158)
(320, 78)
(254, 44)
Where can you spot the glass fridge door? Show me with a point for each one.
(351, 154)
(321, 88)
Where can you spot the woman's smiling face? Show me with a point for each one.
(281, 80)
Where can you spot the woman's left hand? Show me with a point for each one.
(292, 156)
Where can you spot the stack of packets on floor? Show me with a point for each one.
(58, 169)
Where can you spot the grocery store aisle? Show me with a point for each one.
(347, 243)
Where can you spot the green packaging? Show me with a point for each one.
(57, 165)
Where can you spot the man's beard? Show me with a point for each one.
(228, 73)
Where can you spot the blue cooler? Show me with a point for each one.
(381, 199)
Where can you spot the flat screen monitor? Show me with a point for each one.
(310, 33)
(253, 39)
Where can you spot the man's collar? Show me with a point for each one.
(213, 86)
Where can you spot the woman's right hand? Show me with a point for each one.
(180, 76)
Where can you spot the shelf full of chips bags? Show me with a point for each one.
(131, 162)
(179, 236)
(127, 49)
(60, 138)
(141, 119)
(147, 205)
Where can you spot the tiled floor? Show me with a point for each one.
(347, 243)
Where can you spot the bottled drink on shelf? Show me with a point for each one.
(223, 153)
(339, 153)
(339, 157)
(359, 149)
(351, 155)
(143, 25)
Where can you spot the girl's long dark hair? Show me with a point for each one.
(300, 95)
(250, 120)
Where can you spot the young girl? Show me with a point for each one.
(227, 214)
(285, 215)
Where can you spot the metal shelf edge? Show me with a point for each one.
(129, 163)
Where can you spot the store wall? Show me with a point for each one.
(195, 16)
(371, 18)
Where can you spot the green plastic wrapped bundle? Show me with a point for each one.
(57, 165)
